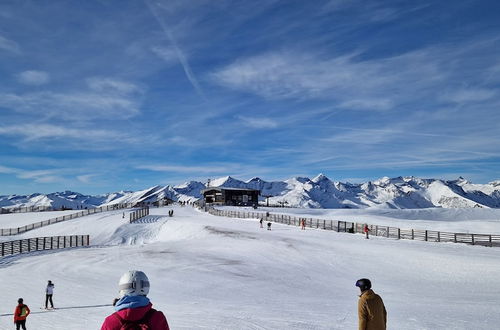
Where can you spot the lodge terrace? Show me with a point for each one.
(231, 196)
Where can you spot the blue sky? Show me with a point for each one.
(101, 96)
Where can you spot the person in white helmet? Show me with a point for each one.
(133, 309)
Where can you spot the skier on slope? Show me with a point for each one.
(366, 230)
(20, 314)
(372, 314)
(133, 309)
(49, 291)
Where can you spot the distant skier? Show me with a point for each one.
(268, 226)
(20, 314)
(49, 291)
(303, 224)
(366, 230)
(261, 221)
(133, 309)
(372, 314)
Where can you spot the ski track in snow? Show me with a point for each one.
(210, 272)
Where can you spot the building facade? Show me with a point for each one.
(231, 196)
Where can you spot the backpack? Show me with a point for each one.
(142, 324)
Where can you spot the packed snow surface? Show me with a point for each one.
(14, 220)
(209, 272)
(474, 220)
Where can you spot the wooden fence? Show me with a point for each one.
(376, 230)
(43, 243)
(23, 229)
(19, 209)
(137, 214)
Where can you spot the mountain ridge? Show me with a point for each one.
(320, 192)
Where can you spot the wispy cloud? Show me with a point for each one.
(7, 170)
(34, 132)
(258, 123)
(112, 86)
(33, 77)
(301, 75)
(180, 169)
(463, 95)
(180, 54)
(9, 45)
(38, 176)
(73, 106)
(169, 55)
(41, 176)
(86, 178)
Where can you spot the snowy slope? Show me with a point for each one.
(210, 272)
(319, 192)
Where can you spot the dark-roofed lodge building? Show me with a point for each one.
(231, 196)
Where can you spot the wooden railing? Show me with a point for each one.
(43, 243)
(376, 230)
(25, 209)
(23, 229)
(138, 214)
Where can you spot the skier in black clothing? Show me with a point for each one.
(268, 226)
(49, 291)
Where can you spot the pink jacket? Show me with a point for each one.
(156, 322)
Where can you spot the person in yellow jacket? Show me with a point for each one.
(371, 310)
(20, 314)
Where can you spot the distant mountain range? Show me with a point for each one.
(319, 192)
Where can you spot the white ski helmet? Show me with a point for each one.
(133, 283)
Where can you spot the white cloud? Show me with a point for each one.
(354, 81)
(110, 85)
(169, 55)
(33, 77)
(261, 123)
(74, 106)
(469, 95)
(87, 178)
(32, 132)
(7, 170)
(40, 176)
(9, 45)
(180, 169)
(301, 75)
(368, 104)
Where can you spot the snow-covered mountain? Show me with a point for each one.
(319, 192)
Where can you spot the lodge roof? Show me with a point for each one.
(229, 188)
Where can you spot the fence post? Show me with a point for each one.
(3, 250)
(338, 226)
(472, 239)
(44, 243)
(412, 234)
(399, 233)
(387, 231)
(29, 245)
(376, 230)
(491, 244)
(455, 239)
(426, 235)
(52, 242)
(439, 236)
(20, 246)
